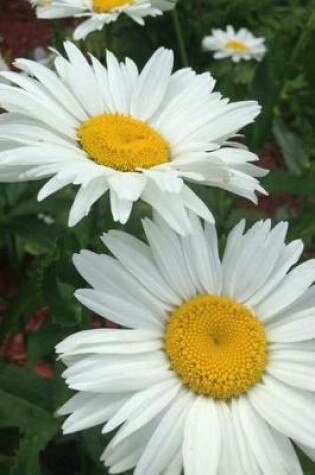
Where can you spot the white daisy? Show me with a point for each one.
(100, 12)
(138, 135)
(216, 374)
(236, 45)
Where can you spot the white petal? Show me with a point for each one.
(142, 408)
(128, 186)
(98, 409)
(169, 258)
(85, 198)
(202, 259)
(289, 290)
(286, 409)
(296, 322)
(202, 438)
(136, 257)
(273, 451)
(170, 206)
(288, 257)
(122, 312)
(105, 273)
(110, 341)
(152, 84)
(167, 438)
(102, 374)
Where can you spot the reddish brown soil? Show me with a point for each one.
(20, 31)
(271, 159)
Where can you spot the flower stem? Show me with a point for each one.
(180, 39)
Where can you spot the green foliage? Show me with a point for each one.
(36, 245)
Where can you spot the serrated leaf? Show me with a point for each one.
(27, 459)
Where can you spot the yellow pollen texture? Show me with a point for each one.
(216, 346)
(122, 142)
(236, 45)
(104, 6)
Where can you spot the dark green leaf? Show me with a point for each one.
(291, 146)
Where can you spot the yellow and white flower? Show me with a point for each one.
(236, 45)
(134, 134)
(216, 371)
(97, 13)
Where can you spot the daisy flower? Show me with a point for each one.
(216, 371)
(236, 45)
(135, 134)
(100, 12)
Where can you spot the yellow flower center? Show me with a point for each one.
(122, 142)
(237, 46)
(104, 6)
(217, 346)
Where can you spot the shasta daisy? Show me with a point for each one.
(215, 374)
(135, 134)
(236, 45)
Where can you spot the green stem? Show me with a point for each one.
(180, 39)
(10, 237)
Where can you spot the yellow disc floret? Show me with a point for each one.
(237, 46)
(217, 346)
(122, 142)
(105, 6)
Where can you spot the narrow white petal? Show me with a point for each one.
(202, 438)
(152, 84)
(288, 410)
(167, 438)
(122, 312)
(272, 450)
(169, 258)
(137, 258)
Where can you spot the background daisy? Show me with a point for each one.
(136, 135)
(216, 374)
(237, 45)
(100, 12)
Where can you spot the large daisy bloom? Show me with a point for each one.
(134, 134)
(216, 371)
(236, 45)
(97, 13)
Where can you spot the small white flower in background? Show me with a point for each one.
(134, 134)
(46, 218)
(100, 12)
(236, 45)
(216, 374)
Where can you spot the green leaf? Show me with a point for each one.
(23, 384)
(60, 298)
(291, 146)
(25, 302)
(24, 403)
(42, 343)
(266, 91)
(27, 459)
(280, 182)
